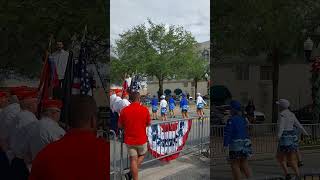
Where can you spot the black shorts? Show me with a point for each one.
(184, 111)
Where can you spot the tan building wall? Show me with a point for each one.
(185, 86)
(294, 85)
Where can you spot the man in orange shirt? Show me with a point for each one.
(79, 154)
(134, 119)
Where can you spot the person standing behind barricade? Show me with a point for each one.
(154, 106)
(250, 108)
(47, 129)
(17, 143)
(200, 105)
(116, 107)
(134, 119)
(60, 58)
(288, 140)
(79, 154)
(172, 105)
(163, 108)
(184, 106)
(124, 102)
(237, 139)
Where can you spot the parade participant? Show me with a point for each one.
(134, 119)
(124, 102)
(154, 106)
(48, 129)
(60, 58)
(237, 139)
(288, 140)
(79, 154)
(163, 108)
(4, 161)
(172, 105)
(18, 139)
(184, 106)
(200, 104)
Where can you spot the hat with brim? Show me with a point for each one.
(52, 104)
(283, 103)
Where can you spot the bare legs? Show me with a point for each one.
(135, 163)
(291, 158)
(240, 166)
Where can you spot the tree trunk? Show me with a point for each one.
(275, 84)
(160, 92)
(195, 80)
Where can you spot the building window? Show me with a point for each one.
(265, 72)
(185, 84)
(242, 72)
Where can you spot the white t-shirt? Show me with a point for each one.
(163, 103)
(117, 103)
(61, 60)
(45, 132)
(287, 121)
(124, 103)
(200, 100)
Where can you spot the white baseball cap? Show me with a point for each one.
(198, 94)
(163, 96)
(283, 103)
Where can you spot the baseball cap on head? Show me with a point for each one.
(163, 96)
(198, 94)
(235, 105)
(283, 103)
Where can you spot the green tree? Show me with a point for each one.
(156, 50)
(26, 25)
(251, 28)
(197, 68)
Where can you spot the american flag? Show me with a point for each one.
(81, 82)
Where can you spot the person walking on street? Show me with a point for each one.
(154, 106)
(237, 139)
(79, 154)
(200, 104)
(172, 105)
(134, 119)
(163, 108)
(288, 139)
(184, 106)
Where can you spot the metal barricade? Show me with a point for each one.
(197, 142)
(264, 138)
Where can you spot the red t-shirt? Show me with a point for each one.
(134, 120)
(78, 155)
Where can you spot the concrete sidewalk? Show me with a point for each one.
(187, 167)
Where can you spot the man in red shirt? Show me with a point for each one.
(79, 154)
(134, 119)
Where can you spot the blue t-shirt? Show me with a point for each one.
(154, 102)
(236, 128)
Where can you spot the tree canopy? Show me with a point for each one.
(155, 50)
(26, 26)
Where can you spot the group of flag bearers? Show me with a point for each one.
(24, 131)
(184, 106)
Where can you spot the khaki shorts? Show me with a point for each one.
(137, 150)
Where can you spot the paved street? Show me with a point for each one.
(266, 166)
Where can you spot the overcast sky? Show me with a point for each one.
(193, 15)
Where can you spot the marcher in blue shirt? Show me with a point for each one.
(237, 139)
(184, 106)
(172, 105)
(154, 105)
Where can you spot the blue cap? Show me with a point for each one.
(236, 105)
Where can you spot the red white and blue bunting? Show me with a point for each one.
(167, 140)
